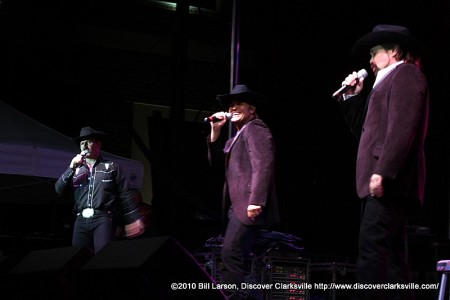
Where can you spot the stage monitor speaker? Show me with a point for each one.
(146, 268)
(46, 274)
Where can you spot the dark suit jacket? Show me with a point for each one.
(249, 161)
(392, 136)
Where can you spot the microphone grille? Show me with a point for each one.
(362, 73)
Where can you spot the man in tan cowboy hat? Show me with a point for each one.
(249, 189)
(391, 126)
(101, 194)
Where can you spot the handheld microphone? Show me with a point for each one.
(83, 158)
(214, 119)
(361, 74)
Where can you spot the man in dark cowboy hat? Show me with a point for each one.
(101, 194)
(249, 160)
(390, 125)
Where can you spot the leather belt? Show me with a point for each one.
(88, 213)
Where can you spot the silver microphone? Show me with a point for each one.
(83, 157)
(361, 74)
(214, 119)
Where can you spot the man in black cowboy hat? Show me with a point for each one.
(249, 160)
(391, 126)
(101, 194)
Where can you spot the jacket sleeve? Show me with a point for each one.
(261, 148)
(216, 156)
(354, 113)
(127, 198)
(64, 181)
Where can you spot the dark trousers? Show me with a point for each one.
(94, 232)
(237, 245)
(382, 257)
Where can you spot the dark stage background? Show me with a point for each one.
(70, 64)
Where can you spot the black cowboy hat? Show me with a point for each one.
(242, 93)
(88, 132)
(384, 34)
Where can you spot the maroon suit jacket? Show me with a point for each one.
(249, 161)
(392, 136)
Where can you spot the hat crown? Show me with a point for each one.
(392, 28)
(86, 131)
(240, 88)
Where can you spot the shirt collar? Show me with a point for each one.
(382, 73)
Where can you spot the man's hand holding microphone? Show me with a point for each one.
(78, 159)
(217, 121)
(352, 85)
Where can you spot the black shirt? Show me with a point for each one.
(103, 188)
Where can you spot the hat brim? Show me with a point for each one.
(368, 41)
(248, 97)
(97, 135)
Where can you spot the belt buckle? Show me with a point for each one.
(87, 213)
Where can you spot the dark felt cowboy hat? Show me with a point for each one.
(242, 93)
(88, 132)
(384, 34)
